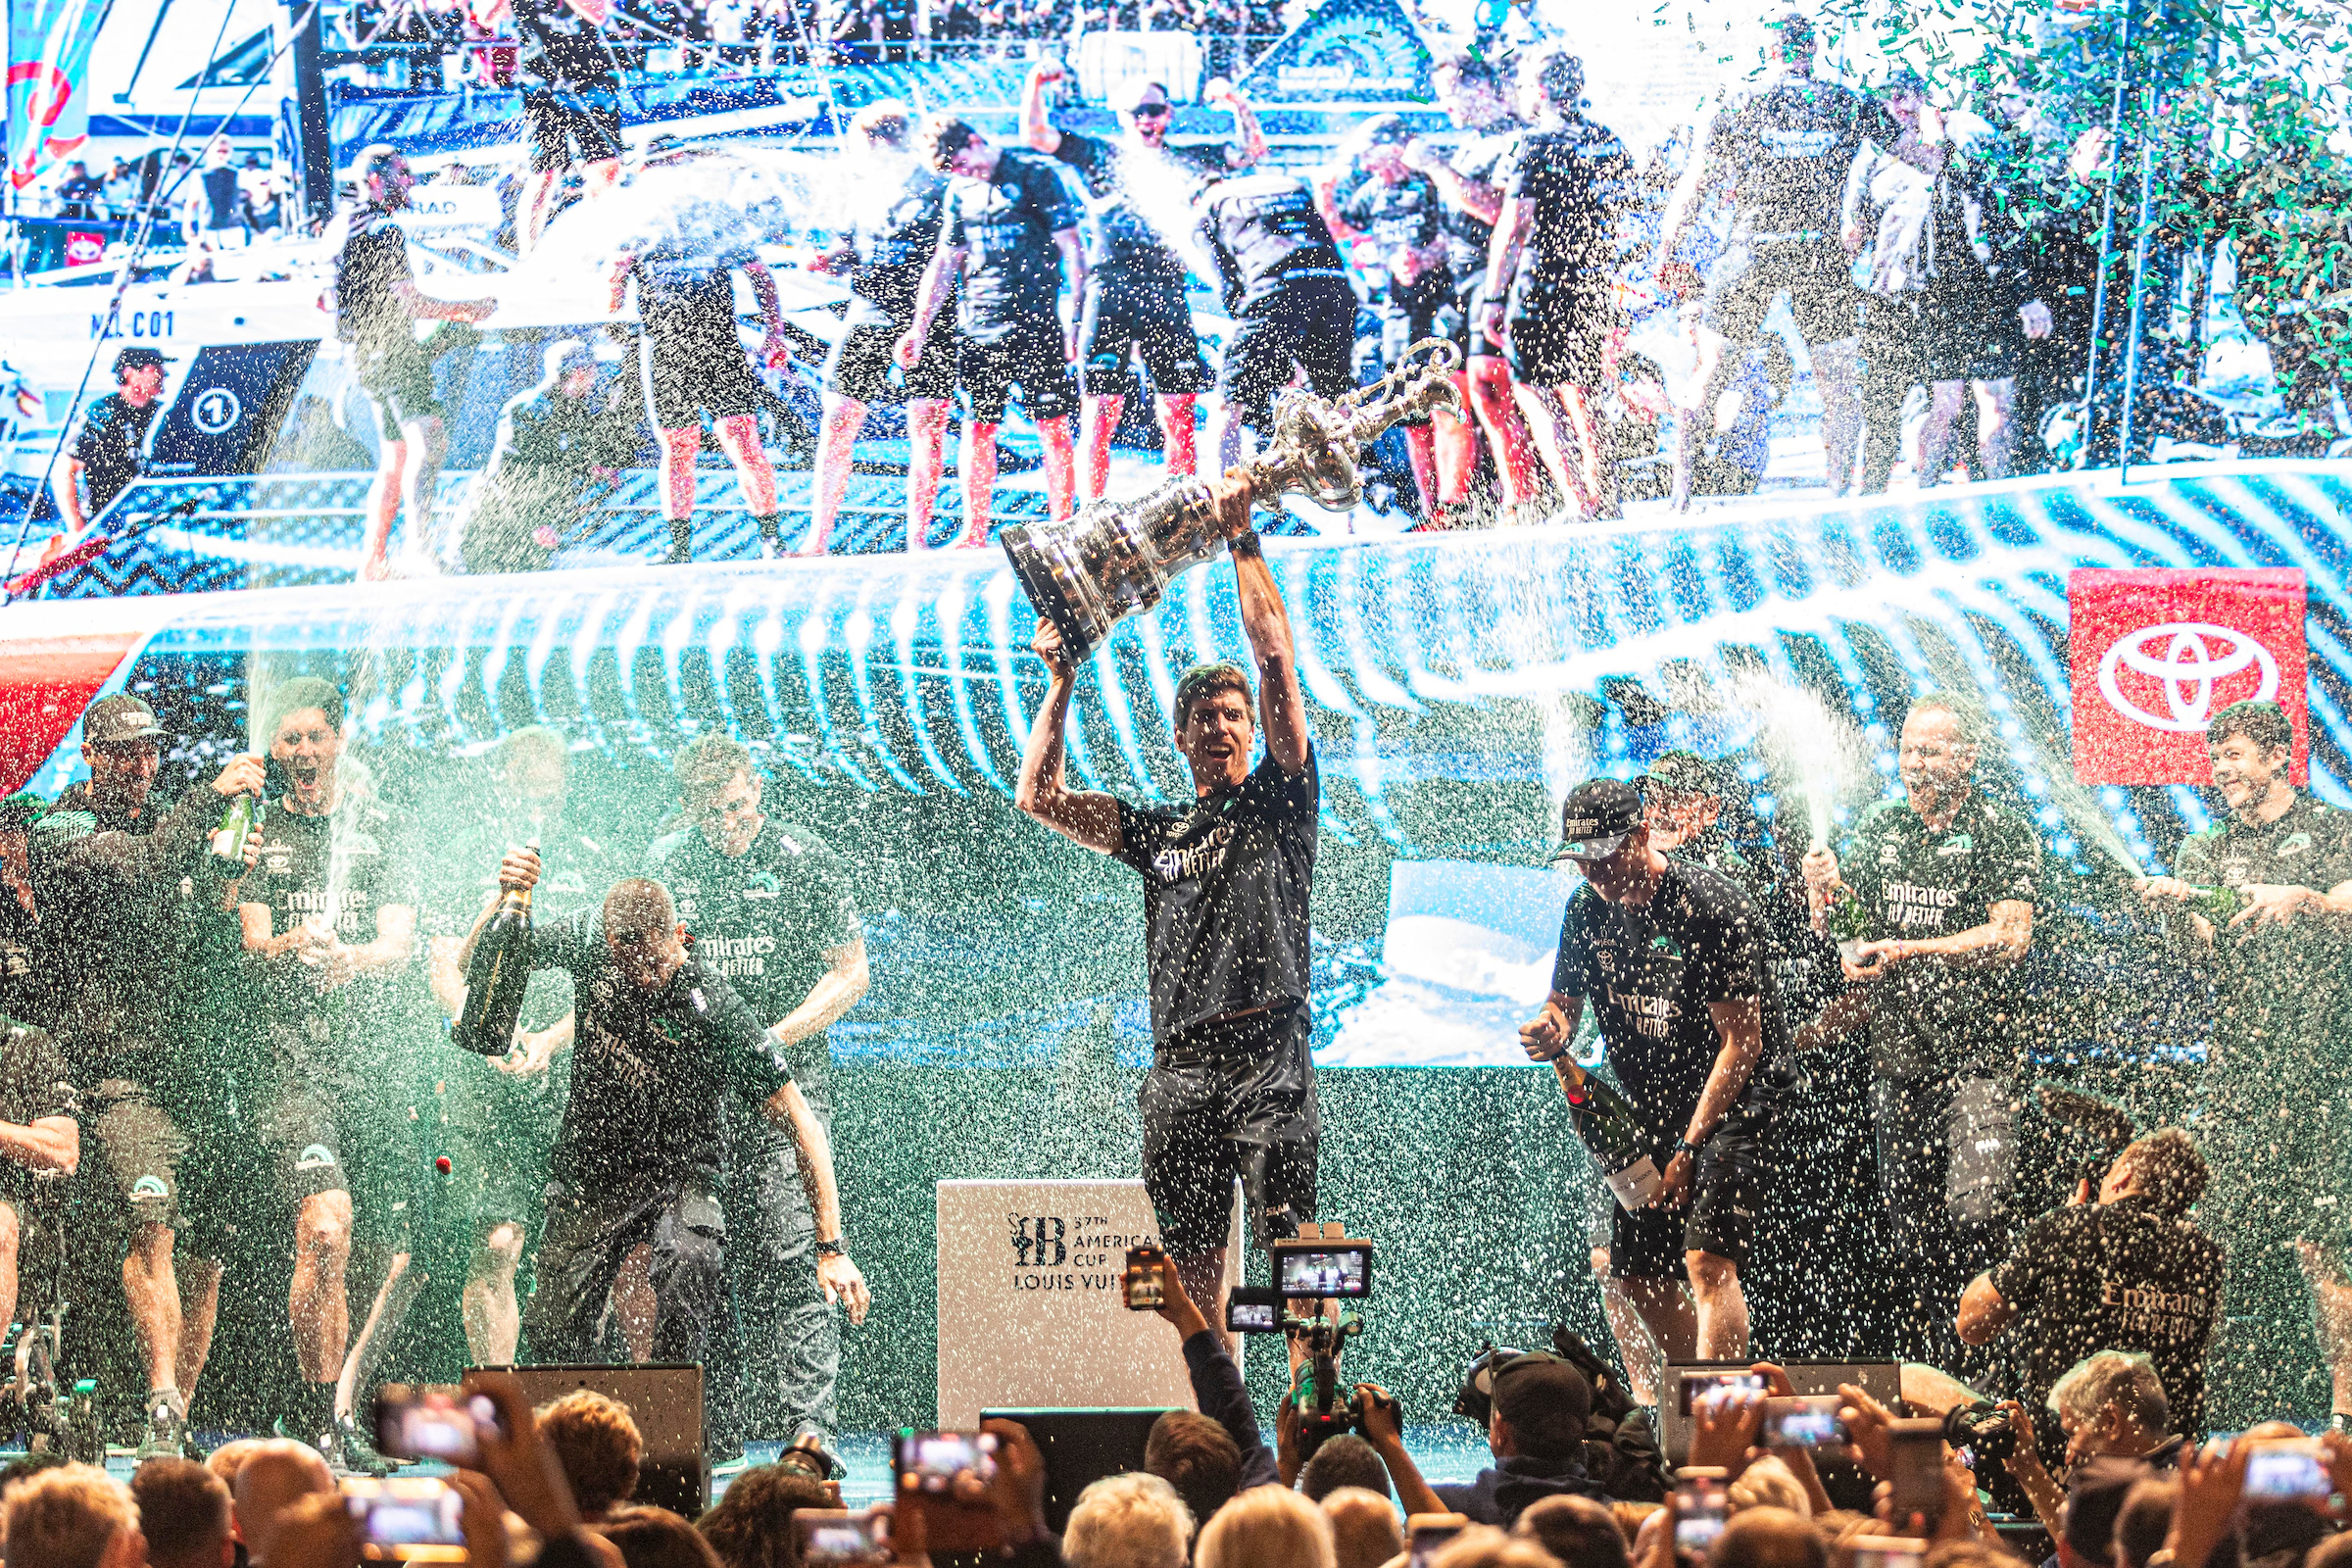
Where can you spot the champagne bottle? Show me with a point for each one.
(1846, 920)
(2216, 904)
(498, 976)
(243, 815)
(1611, 1133)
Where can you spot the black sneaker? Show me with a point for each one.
(681, 547)
(167, 1433)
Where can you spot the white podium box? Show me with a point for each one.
(1030, 1314)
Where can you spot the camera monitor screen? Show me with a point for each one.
(1252, 1311)
(1697, 1385)
(1324, 1271)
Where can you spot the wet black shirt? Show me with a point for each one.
(1225, 895)
(370, 259)
(2279, 986)
(1013, 269)
(651, 1070)
(1930, 1018)
(1125, 237)
(37, 1083)
(1482, 159)
(1265, 234)
(1579, 179)
(547, 429)
(1651, 973)
(1785, 148)
(2116, 1276)
(111, 446)
(894, 237)
(1799, 968)
(1405, 217)
(560, 47)
(686, 295)
(354, 863)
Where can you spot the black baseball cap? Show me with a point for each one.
(136, 359)
(1683, 773)
(1383, 130)
(1595, 818)
(1530, 1386)
(119, 719)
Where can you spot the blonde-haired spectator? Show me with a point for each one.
(1364, 1530)
(73, 1516)
(1268, 1527)
(1769, 1482)
(1134, 1520)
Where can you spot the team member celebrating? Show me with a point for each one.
(378, 305)
(1135, 281)
(116, 909)
(1232, 1088)
(1008, 213)
(770, 911)
(110, 448)
(1476, 98)
(1945, 882)
(1548, 274)
(1401, 213)
(634, 1218)
(560, 446)
(327, 916)
(1288, 291)
(2274, 1085)
(495, 1117)
(1779, 153)
(694, 365)
(885, 254)
(572, 111)
(1668, 954)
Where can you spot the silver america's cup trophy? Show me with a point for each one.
(1114, 559)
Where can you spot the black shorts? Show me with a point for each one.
(1027, 354)
(1137, 310)
(1726, 1193)
(1411, 312)
(558, 119)
(1309, 323)
(1469, 306)
(346, 1136)
(146, 1145)
(1559, 334)
(1816, 274)
(1231, 1099)
(497, 1132)
(859, 365)
(398, 379)
(694, 366)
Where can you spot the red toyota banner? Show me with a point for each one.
(84, 247)
(2157, 653)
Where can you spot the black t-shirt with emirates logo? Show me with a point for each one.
(2281, 985)
(2116, 1276)
(1225, 895)
(1651, 971)
(349, 865)
(1929, 1018)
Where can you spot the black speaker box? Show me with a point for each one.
(667, 1404)
(1080, 1448)
(1883, 1381)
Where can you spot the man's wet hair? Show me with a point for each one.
(1197, 1456)
(708, 765)
(1470, 69)
(638, 907)
(1964, 718)
(2266, 724)
(1558, 69)
(884, 122)
(304, 691)
(1796, 35)
(942, 137)
(2168, 1168)
(373, 160)
(1345, 1461)
(1204, 680)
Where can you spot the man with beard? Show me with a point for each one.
(496, 1116)
(2261, 901)
(769, 907)
(328, 917)
(117, 904)
(1135, 281)
(1944, 883)
(377, 306)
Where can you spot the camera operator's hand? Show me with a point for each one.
(1870, 1425)
(2212, 1486)
(2024, 1462)
(1017, 1490)
(1287, 1459)
(1383, 1421)
(1724, 1429)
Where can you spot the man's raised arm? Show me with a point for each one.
(1084, 816)
(1267, 626)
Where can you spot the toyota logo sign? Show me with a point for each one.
(2155, 655)
(2193, 656)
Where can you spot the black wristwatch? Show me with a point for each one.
(1694, 1150)
(831, 1249)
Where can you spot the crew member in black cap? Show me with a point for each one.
(121, 902)
(110, 448)
(1536, 1427)
(1669, 956)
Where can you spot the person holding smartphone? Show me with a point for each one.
(1667, 954)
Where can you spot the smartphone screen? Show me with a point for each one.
(930, 1461)
(1917, 1484)
(1804, 1421)
(1888, 1551)
(2289, 1469)
(1697, 1385)
(407, 1518)
(433, 1422)
(1141, 1285)
(1700, 1508)
(830, 1537)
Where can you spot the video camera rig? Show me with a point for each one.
(1318, 1274)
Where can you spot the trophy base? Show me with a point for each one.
(1079, 633)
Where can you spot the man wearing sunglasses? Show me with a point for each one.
(1138, 190)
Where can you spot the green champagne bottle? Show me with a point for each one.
(1846, 920)
(2216, 904)
(497, 977)
(244, 814)
(1612, 1134)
